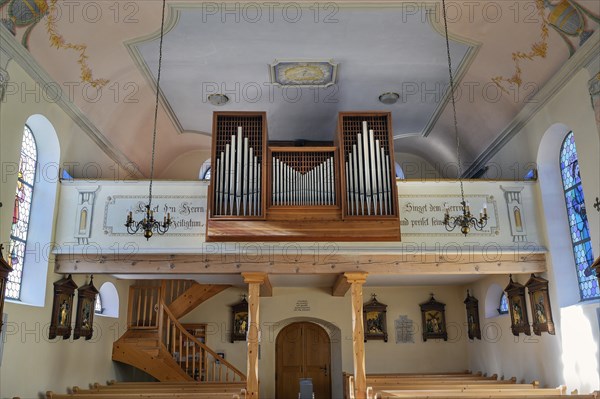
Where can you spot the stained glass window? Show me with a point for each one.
(578, 223)
(503, 308)
(207, 174)
(98, 305)
(21, 213)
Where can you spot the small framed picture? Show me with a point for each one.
(62, 308)
(473, 326)
(433, 316)
(541, 311)
(239, 320)
(517, 307)
(84, 316)
(374, 319)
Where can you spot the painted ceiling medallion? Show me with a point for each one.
(316, 73)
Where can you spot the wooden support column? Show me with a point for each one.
(356, 281)
(254, 281)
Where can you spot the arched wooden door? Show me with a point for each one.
(303, 350)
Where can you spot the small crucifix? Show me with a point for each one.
(597, 204)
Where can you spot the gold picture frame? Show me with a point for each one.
(62, 308)
(473, 326)
(374, 319)
(517, 307)
(539, 300)
(433, 317)
(239, 320)
(84, 316)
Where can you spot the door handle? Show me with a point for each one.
(324, 369)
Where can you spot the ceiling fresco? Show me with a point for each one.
(104, 57)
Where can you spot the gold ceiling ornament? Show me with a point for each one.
(56, 40)
(538, 49)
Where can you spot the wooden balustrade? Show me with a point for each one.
(143, 307)
(197, 359)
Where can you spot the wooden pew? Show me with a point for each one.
(191, 386)
(155, 395)
(496, 396)
(453, 386)
(156, 389)
(397, 381)
(417, 378)
(477, 392)
(112, 383)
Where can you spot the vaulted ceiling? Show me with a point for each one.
(227, 47)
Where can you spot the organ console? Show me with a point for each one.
(260, 192)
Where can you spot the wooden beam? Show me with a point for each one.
(356, 281)
(506, 262)
(341, 286)
(266, 289)
(254, 281)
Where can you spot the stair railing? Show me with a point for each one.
(173, 289)
(143, 307)
(198, 360)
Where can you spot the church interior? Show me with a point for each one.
(194, 205)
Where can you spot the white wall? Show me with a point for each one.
(277, 311)
(418, 201)
(32, 363)
(572, 107)
(499, 351)
(416, 167)
(571, 356)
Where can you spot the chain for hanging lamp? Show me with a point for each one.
(465, 220)
(148, 224)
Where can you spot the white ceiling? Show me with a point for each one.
(379, 49)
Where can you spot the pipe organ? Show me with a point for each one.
(239, 142)
(367, 176)
(303, 178)
(237, 179)
(344, 192)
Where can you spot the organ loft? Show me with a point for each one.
(343, 191)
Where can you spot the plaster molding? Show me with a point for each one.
(4, 58)
(12, 48)
(462, 68)
(4, 79)
(171, 20)
(582, 58)
(174, 15)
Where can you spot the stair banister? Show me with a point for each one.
(171, 320)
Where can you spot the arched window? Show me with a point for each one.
(108, 301)
(503, 307)
(578, 223)
(98, 305)
(204, 173)
(21, 212)
(207, 174)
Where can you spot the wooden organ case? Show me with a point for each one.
(344, 192)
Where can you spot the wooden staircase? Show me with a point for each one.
(158, 344)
